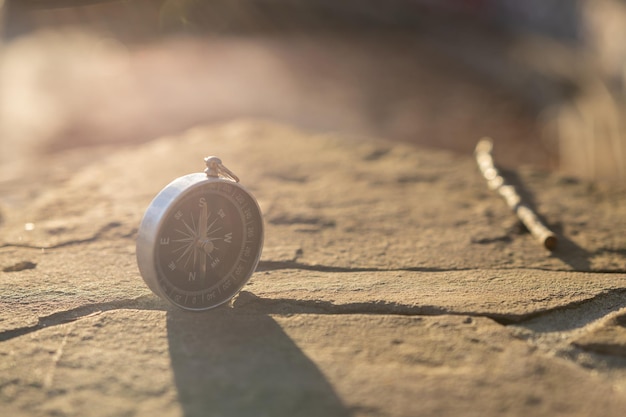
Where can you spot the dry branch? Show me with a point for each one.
(496, 182)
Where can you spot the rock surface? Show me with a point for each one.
(392, 283)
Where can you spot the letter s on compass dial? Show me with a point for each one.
(200, 239)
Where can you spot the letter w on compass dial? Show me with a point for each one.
(198, 246)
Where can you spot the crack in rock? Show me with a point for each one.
(583, 309)
(268, 265)
(606, 337)
(302, 220)
(562, 318)
(246, 303)
(576, 314)
(249, 301)
(587, 333)
(20, 266)
(96, 236)
(142, 303)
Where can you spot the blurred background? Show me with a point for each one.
(546, 79)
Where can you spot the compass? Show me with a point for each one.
(200, 239)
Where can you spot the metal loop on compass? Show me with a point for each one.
(215, 168)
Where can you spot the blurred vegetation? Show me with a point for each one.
(565, 57)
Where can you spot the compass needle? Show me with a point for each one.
(202, 222)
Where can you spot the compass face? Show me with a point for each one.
(208, 245)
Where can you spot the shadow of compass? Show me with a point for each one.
(230, 364)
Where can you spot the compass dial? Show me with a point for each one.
(208, 245)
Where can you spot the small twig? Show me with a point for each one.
(495, 181)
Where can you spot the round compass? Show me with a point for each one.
(200, 239)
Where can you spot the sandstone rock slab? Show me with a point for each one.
(339, 202)
(387, 276)
(232, 363)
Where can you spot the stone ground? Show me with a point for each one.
(392, 283)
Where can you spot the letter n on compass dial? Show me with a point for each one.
(208, 244)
